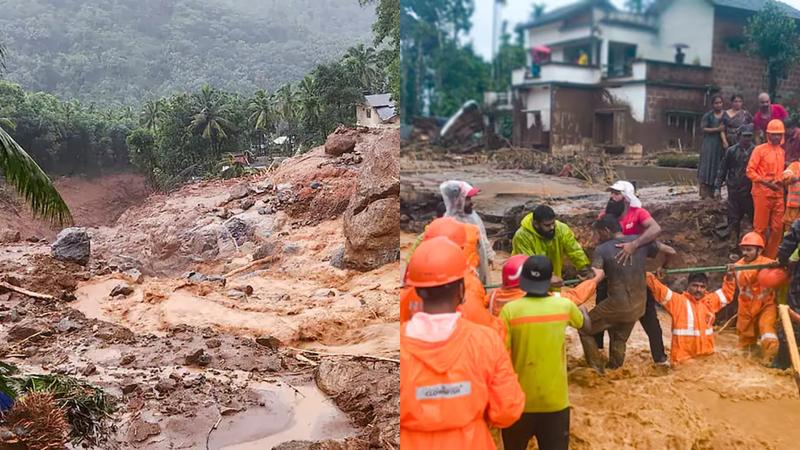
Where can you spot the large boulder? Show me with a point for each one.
(372, 218)
(341, 141)
(73, 245)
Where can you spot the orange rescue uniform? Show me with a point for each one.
(692, 318)
(757, 310)
(792, 212)
(497, 298)
(472, 309)
(767, 164)
(448, 388)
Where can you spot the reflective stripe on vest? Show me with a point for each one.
(793, 195)
(667, 296)
(687, 332)
(721, 295)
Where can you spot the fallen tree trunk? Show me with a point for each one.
(22, 291)
(258, 262)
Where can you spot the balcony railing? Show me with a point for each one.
(557, 72)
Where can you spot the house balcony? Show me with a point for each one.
(497, 100)
(659, 72)
(555, 72)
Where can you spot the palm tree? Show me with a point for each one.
(285, 102)
(308, 98)
(260, 107)
(26, 177)
(363, 62)
(151, 114)
(210, 121)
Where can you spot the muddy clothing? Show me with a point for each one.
(449, 390)
(732, 124)
(767, 164)
(497, 298)
(788, 253)
(528, 241)
(733, 169)
(792, 146)
(550, 429)
(627, 288)
(535, 334)
(711, 152)
(692, 318)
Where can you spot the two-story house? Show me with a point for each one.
(633, 82)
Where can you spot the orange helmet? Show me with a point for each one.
(772, 278)
(775, 126)
(752, 238)
(436, 262)
(447, 227)
(512, 269)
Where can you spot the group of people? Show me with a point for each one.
(474, 359)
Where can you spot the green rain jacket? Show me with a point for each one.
(527, 241)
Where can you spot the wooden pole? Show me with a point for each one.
(786, 321)
(22, 291)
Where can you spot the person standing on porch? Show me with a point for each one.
(712, 150)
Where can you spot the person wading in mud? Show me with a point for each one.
(788, 248)
(733, 174)
(755, 323)
(536, 326)
(634, 220)
(541, 234)
(627, 293)
(456, 375)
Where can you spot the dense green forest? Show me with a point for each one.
(192, 132)
(124, 51)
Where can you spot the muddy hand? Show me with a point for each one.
(626, 253)
(556, 281)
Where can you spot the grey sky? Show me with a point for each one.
(517, 11)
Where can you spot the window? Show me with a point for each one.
(685, 123)
(620, 59)
(369, 113)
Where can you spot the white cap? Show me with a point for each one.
(628, 191)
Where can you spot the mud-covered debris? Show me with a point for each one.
(198, 357)
(140, 430)
(233, 293)
(324, 292)
(197, 277)
(239, 230)
(264, 210)
(337, 258)
(129, 387)
(239, 191)
(291, 249)
(90, 369)
(264, 250)
(66, 324)
(213, 343)
(34, 238)
(28, 328)
(73, 245)
(271, 342)
(246, 288)
(341, 141)
(315, 185)
(121, 289)
(127, 359)
(166, 385)
(284, 187)
(247, 204)
(9, 236)
(133, 275)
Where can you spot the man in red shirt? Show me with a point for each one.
(766, 112)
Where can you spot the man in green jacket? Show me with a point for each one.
(541, 234)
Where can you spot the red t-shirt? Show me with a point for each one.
(633, 220)
(778, 112)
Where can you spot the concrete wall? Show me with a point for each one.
(633, 95)
(538, 98)
(363, 120)
(573, 118)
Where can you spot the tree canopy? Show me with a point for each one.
(773, 36)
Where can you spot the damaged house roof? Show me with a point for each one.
(382, 104)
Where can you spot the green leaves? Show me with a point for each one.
(772, 35)
(30, 181)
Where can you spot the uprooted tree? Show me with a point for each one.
(772, 34)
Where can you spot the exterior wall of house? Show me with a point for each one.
(662, 101)
(645, 40)
(690, 22)
(363, 120)
(737, 72)
(632, 95)
(538, 98)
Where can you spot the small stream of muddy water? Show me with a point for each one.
(287, 415)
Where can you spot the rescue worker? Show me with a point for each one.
(791, 178)
(765, 170)
(456, 375)
(472, 231)
(536, 326)
(634, 219)
(627, 293)
(733, 173)
(786, 254)
(757, 310)
(692, 313)
(473, 308)
(457, 197)
(510, 291)
(541, 234)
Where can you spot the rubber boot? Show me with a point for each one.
(592, 354)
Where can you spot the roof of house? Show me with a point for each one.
(383, 105)
(755, 5)
(565, 12)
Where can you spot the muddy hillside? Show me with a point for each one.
(726, 401)
(251, 313)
